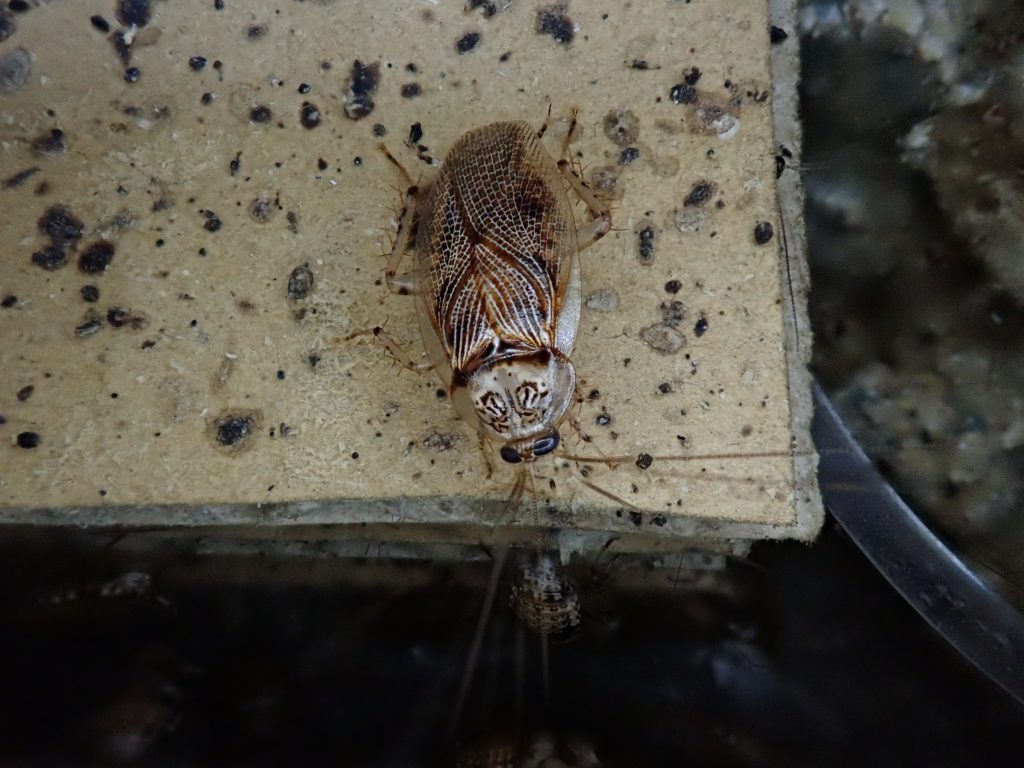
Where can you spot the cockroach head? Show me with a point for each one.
(520, 401)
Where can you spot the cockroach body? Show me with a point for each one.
(497, 282)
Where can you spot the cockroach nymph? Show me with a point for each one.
(544, 600)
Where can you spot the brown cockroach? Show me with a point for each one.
(497, 282)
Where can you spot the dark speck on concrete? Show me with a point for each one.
(300, 282)
(255, 31)
(132, 75)
(100, 23)
(304, 88)
(363, 82)
(137, 12)
(90, 326)
(777, 34)
(28, 439)
(365, 78)
(673, 286)
(644, 460)
(672, 313)
(691, 76)
(701, 327)
(261, 114)
(50, 258)
(19, 178)
(234, 429)
(415, 134)
(702, 192)
(19, 6)
(309, 115)
(53, 142)
(411, 90)
(90, 293)
(440, 441)
(7, 25)
(212, 223)
(636, 518)
(486, 7)
(25, 392)
(763, 232)
(96, 258)
(261, 208)
(681, 93)
(8, 301)
(121, 47)
(197, 63)
(628, 155)
(117, 316)
(379, 131)
(551, 20)
(467, 42)
(646, 244)
(62, 226)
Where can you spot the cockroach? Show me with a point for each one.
(497, 282)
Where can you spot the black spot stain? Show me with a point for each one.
(62, 226)
(763, 232)
(552, 20)
(96, 258)
(232, 430)
(702, 192)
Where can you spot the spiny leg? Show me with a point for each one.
(401, 284)
(382, 337)
(601, 215)
(547, 123)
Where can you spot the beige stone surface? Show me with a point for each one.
(127, 416)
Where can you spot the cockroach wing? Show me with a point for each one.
(495, 248)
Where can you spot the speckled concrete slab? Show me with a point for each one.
(195, 209)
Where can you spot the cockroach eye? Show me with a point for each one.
(510, 454)
(545, 445)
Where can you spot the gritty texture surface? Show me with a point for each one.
(196, 210)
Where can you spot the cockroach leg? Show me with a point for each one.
(547, 123)
(485, 451)
(574, 115)
(401, 284)
(601, 215)
(406, 176)
(382, 337)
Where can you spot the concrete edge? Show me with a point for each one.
(794, 271)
